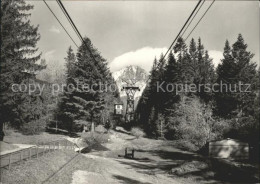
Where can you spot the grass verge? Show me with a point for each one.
(36, 170)
(6, 147)
(15, 137)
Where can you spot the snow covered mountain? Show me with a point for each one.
(132, 75)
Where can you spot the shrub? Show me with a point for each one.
(34, 127)
(100, 129)
(219, 129)
(92, 138)
(185, 145)
(244, 128)
(137, 132)
(191, 120)
(8, 130)
(108, 125)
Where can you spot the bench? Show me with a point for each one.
(129, 155)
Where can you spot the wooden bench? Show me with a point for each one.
(129, 155)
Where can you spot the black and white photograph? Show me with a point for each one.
(129, 91)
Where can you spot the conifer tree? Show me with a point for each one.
(145, 110)
(180, 49)
(245, 73)
(70, 62)
(172, 78)
(236, 67)
(19, 55)
(84, 98)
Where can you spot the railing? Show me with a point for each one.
(6, 160)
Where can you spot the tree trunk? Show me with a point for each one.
(2, 131)
(92, 127)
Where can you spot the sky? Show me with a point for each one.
(134, 32)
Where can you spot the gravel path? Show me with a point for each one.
(109, 170)
(105, 169)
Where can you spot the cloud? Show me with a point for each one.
(54, 29)
(143, 57)
(216, 56)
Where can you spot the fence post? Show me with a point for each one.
(37, 151)
(10, 161)
(21, 158)
(43, 149)
(30, 153)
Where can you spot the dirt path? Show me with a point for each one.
(107, 167)
(155, 161)
(107, 170)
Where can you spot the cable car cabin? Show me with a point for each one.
(118, 109)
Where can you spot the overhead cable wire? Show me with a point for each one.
(200, 19)
(197, 5)
(182, 29)
(193, 18)
(60, 23)
(68, 18)
(76, 30)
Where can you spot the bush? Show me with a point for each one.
(137, 132)
(34, 127)
(9, 130)
(92, 138)
(191, 121)
(220, 128)
(185, 145)
(108, 125)
(100, 129)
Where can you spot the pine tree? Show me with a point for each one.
(171, 78)
(180, 49)
(82, 101)
(225, 101)
(18, 61)
(193, 50)
(226, 69)
(70, 62)
(171, 73)
(108, 98)
(207, 78)
(200, 69)
(145, 110)
(88, 102)
(236, 67)
(245, 73)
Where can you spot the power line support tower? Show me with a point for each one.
(130, 92)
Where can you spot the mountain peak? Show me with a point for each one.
(130, 72)
(133, 75)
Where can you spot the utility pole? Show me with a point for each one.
(56, 118)
(130, 90)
